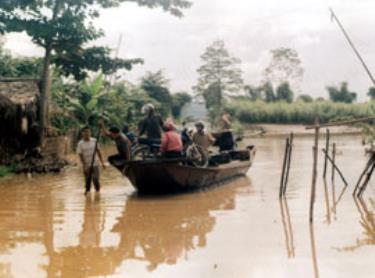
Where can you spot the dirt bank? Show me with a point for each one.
(270, 130)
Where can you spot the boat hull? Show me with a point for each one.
(155, 177)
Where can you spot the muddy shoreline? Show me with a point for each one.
(281, 130)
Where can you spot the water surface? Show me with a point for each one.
(240, 229)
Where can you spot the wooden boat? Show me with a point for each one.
(161, 176)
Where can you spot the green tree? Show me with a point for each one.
(341, 94)
(285, 66)
(371, 93)
(156, 86)
(219, 75)
(269, 93)
(255, 93)
(284, 93)
(305, 98)
(179, 100)
(64, 29)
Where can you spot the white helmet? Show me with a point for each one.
(147, 108)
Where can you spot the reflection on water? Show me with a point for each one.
(241, 229)
(367, 223)
(287, 225)
(313, 251)
(155, 231)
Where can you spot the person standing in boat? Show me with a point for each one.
(122, 144)
(171, 143)
(225, 140)
(201, 137)
(86, 148)
(151, 125)
(226, 121)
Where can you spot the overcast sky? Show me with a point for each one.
(250, 28)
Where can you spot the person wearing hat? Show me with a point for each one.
(151, 125)
(171, 143)
(201, 137)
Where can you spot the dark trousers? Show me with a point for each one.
(225, 141)
(118, 161)
(95, 176)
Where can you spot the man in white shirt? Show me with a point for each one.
(86, 148)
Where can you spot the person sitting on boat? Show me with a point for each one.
(122, 144)
(185, 135)
(151, 126)
(129, 134)
(201, 137)
(171, 143)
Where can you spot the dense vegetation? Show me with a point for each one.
(83, 103)
(298, 112)
(66, 32)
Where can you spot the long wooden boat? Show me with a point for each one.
(173, 175)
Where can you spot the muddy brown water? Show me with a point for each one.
(239, 229)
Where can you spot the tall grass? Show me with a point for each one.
(247, 111)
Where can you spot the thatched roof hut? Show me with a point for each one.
(20, 93)
(19, 104)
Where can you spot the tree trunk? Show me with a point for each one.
(44, 95)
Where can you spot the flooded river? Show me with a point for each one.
(241, 229)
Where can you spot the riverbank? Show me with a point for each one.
(275, 130)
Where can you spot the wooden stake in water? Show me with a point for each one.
(333, 161)
(281, 190)
(290, 149)
(334, 167)
(314, 173)
(365, 183)
(327, 148)
(368, 165)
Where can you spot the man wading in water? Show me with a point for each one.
(87, 149)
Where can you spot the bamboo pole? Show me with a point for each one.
(326, 197)
(333, 16)
(340, 196)
(315, 163)
(325, 158)
(333, 161)
(368, 164)
(366, 119)
(281, 190)
(334, 167)
(333, 189)
(365, 183)
(290, 149)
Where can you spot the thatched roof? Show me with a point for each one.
(7, 107)
(20, 91)
(18, 96)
